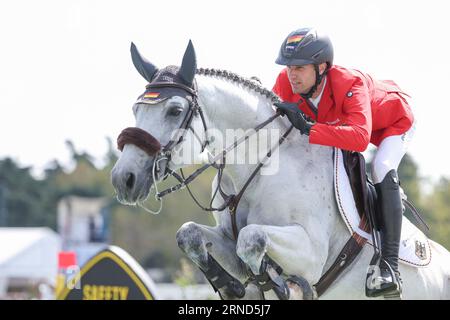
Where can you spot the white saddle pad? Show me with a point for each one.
(414, 246)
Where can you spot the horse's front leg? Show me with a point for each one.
(215, 254)
(264, 248)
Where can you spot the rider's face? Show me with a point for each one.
(302, 78)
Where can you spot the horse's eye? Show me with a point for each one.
(175, 111)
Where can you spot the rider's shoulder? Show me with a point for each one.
(345, 78)
(343, 73)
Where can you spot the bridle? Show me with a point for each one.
(194, 110)
(152, 147)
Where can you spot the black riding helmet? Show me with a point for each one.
(306, 46)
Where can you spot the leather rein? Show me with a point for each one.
(152, 147)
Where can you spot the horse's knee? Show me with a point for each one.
(252, 238)
(190, 240)
(251, 246)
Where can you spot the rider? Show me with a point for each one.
(350, 109)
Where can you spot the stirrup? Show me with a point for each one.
(389, 293)
(393, 290)
(396, 295)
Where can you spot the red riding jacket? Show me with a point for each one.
(355, 109)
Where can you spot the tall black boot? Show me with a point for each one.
(390, 220)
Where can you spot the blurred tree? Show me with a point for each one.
(408, 173)
(24, 201)
(84, 180)
(111, 154)
(437, 209)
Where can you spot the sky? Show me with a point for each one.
(66, 71)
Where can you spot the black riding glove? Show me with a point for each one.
(295, 115)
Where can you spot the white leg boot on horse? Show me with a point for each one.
(215, 255)
(264, 248)
(213, 250)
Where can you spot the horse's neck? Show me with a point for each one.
(230, 106)
(231, 109)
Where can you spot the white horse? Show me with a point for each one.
(290, 217)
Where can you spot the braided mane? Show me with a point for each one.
(252, 84)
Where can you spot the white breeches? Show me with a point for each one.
(389, 154)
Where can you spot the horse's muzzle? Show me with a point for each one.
(130, 186)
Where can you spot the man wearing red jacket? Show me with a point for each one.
(349, 110)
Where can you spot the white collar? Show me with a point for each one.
(316, 101)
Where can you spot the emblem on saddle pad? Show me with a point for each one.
(421, 251)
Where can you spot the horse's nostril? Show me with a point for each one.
(130, 181)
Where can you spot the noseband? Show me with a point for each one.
(140, 138)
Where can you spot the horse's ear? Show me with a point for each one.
(189, 65)
(144, 67)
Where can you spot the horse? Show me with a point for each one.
(286, 226)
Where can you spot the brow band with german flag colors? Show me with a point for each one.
(295, 38)
(151, 95)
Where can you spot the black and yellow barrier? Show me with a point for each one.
(112, 274)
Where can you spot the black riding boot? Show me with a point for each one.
(390, 220)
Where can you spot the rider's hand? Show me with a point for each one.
(295, 116)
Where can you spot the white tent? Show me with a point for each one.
(28, 253)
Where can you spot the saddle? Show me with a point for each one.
(414, 246)
(363, 190)
(356, 199)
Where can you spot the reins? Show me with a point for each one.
(152, 147)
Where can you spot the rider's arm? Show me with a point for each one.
(354, 130)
